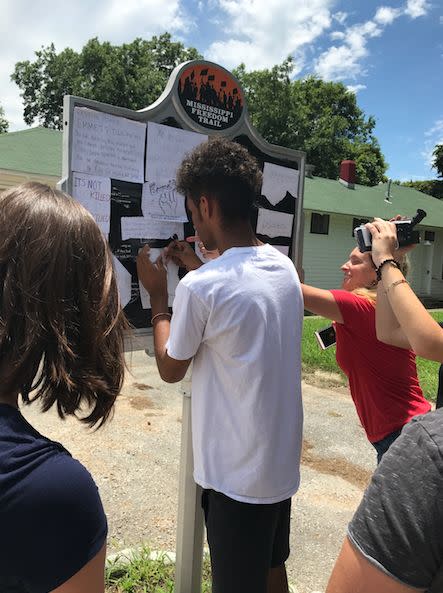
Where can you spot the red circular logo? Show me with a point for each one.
(210, 96)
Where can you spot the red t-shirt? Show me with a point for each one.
(382, 378)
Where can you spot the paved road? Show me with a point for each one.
(134, 461)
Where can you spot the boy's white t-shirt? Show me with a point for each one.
(240, 318)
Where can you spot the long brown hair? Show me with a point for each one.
(61, 324)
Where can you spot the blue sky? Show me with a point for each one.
(389, 52)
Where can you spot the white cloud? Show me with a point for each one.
(345, 61)
(338, 36)
(433, 136)
(437, 128)
(340, 17)
(263, 33)
(386, 15)
(355, 88)
(416, 8)
(115, 21)
(141, 17)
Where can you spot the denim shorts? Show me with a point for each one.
(382, 446)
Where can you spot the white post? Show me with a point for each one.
(189, 552)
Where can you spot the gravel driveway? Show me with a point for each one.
(134, 460)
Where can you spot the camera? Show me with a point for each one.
(405, 233)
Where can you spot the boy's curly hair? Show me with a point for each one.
(223, 170)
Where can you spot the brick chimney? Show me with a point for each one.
(347, 174)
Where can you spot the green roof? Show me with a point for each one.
(39, 150)
(35, 150)
(327, 195)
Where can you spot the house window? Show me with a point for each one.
(430, 236)
(357, 222)
(319, 223)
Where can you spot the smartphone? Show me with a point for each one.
(326, 337)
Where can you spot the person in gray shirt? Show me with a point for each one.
(395, 542)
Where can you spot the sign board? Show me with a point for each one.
(121, 165)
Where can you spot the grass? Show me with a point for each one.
(314, 359)
(142, 573)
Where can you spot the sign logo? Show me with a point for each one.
(210, 96)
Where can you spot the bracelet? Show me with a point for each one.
(396, 283)
(394, 262)
(160, 315)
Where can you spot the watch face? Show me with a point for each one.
(210, 96)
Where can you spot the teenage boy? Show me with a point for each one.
(239, 319)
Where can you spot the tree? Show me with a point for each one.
(437, 163)
(132, 75)
(321, 118)
(432, 187)
(4, 125)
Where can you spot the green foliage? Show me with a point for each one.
(314, 359)
(4, 125)
(131, 75)
(321, 118)
(144, 572)
(437, 163)
(432, 187)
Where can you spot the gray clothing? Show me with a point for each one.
(398, 526)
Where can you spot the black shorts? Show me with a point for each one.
(245, 541)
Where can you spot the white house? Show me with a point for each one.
(332, 209)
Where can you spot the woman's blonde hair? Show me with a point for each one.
(370, 292)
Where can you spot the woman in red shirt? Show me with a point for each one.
(382, 378)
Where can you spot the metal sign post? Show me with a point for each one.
(189, 553)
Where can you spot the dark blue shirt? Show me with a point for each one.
(51, 517)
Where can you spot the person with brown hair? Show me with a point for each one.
(61, 344)
(382, 379)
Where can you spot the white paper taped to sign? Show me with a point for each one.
(274, 224)
(94, 193)
(107, 145)
(141, 227)
(166, 148)
(172, 279)
(162, 201)
(123, 282)
(278, 180)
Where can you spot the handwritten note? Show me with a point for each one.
(123, 282)
(274, 224)
(140, 227)
(94, 193)
(107, 145)
(166, 148)
(162, 201)
(278, 180)
(172, 279)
